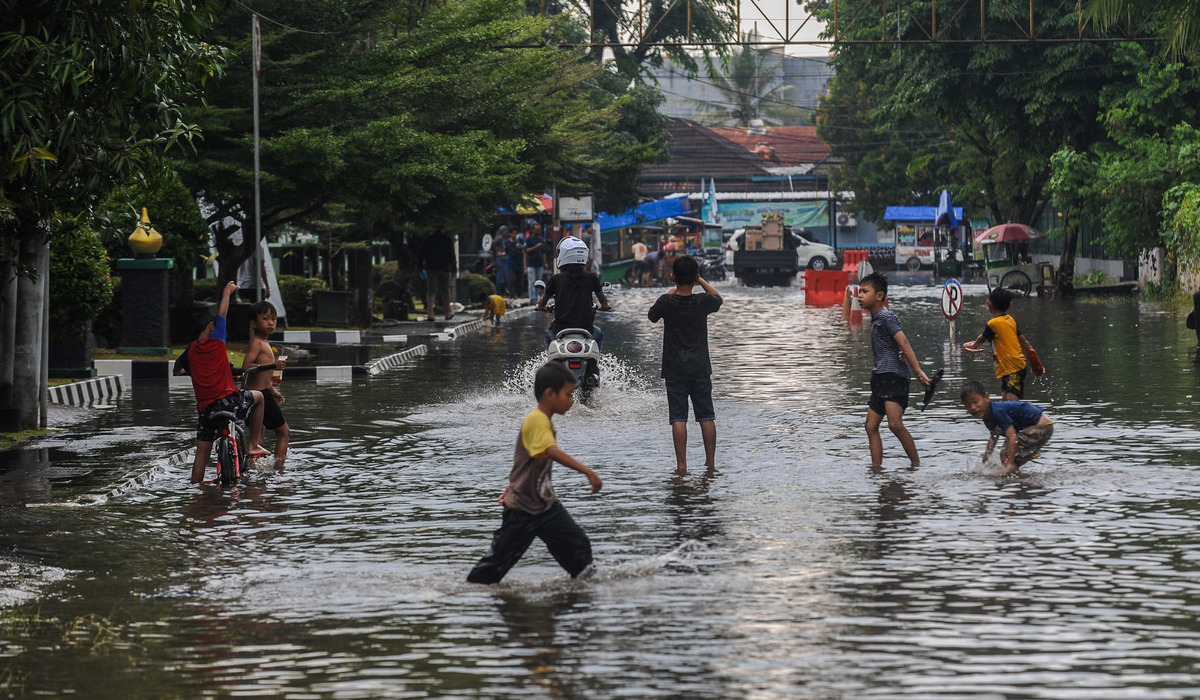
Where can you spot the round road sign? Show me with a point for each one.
(952, 300)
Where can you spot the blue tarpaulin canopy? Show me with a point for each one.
(644, 213)
(917, 214)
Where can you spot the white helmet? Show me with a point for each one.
(572, 251)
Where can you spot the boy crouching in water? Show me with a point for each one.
(207, 362)
(531, 508)
(1025, 426)
(262, 325)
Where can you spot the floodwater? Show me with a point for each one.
(793, 571)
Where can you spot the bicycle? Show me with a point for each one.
(230, 445)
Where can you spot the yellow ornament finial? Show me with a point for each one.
(144, 240)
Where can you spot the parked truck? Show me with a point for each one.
(766, 255)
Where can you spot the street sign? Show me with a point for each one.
(952, 299)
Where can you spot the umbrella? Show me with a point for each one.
(1009, 233)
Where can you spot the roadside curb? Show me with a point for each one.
(86, 392)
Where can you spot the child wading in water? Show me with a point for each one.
(1025, 426)
(531, 508)
(1009, 347)
(686, 367)
(262, 325)
(889, 376)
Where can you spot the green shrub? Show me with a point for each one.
(479, 287)
(109, 323)
(205, 289)
(298, 299)
(80, 285)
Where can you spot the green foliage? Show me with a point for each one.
(298, 298)
(1095, 277)
(91, 96)
(109, 323)
(979, 119)
(1139, 180)
(80, 286)
(173, 213)
(206, 289)
(408, 117)
(479, 287)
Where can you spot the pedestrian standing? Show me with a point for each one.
(440, 263)
(535, 244)
(686, 367)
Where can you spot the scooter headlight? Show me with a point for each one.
(574, 347)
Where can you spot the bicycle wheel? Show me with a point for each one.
(227, 467)
(1017, 282)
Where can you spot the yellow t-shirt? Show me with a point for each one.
(529, 486)
(1006, 348)
(496, 304)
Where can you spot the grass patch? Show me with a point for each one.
(11, 440)
(235, 356)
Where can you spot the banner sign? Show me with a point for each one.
(736, 215)
(575, 209)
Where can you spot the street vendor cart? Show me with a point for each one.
(1005, 258)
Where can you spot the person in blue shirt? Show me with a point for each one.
(1024, 425)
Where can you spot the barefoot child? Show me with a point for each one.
(686, 367)
(1009, 347)
(494, 308)
(889, 376)
(1025, 426)
(531, 508)
(207, 362)
(262, 325)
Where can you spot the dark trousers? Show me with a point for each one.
(567, 542)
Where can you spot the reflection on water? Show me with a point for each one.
(791, 570)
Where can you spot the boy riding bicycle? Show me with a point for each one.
(206, 361)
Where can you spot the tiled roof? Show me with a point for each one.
(697, 152)
(785, 145)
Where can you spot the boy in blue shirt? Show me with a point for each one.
(1025, 426)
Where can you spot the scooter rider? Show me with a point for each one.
(572, 289)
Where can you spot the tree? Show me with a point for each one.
(1004, 107)
(1177, 21)
(90, 95)
(753, 88)
(394, 128)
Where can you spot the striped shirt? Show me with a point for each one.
(884, 327)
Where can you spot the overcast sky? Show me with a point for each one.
(755, 15)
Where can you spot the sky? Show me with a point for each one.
(756, 13)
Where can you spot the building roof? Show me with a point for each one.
(698, 152)
(780, 145)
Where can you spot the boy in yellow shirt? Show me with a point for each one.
(494, 307)
(531, 508)
(1008, 345)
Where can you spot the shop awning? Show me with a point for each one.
(917, 214)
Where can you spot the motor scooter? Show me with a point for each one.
(577, 350)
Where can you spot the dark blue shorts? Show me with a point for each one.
(699, 391)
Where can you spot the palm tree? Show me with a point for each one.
(753, 87)
(1178, 21)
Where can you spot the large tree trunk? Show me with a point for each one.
(8, 317)
(1066, 263)
(27, 367)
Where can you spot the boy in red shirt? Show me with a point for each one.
(207, 362)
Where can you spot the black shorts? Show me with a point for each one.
(239, 403)
(272, 413)
(885, 388)
(1014, 383)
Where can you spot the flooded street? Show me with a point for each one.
(794, 570)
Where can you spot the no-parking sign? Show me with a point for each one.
(952, 300)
